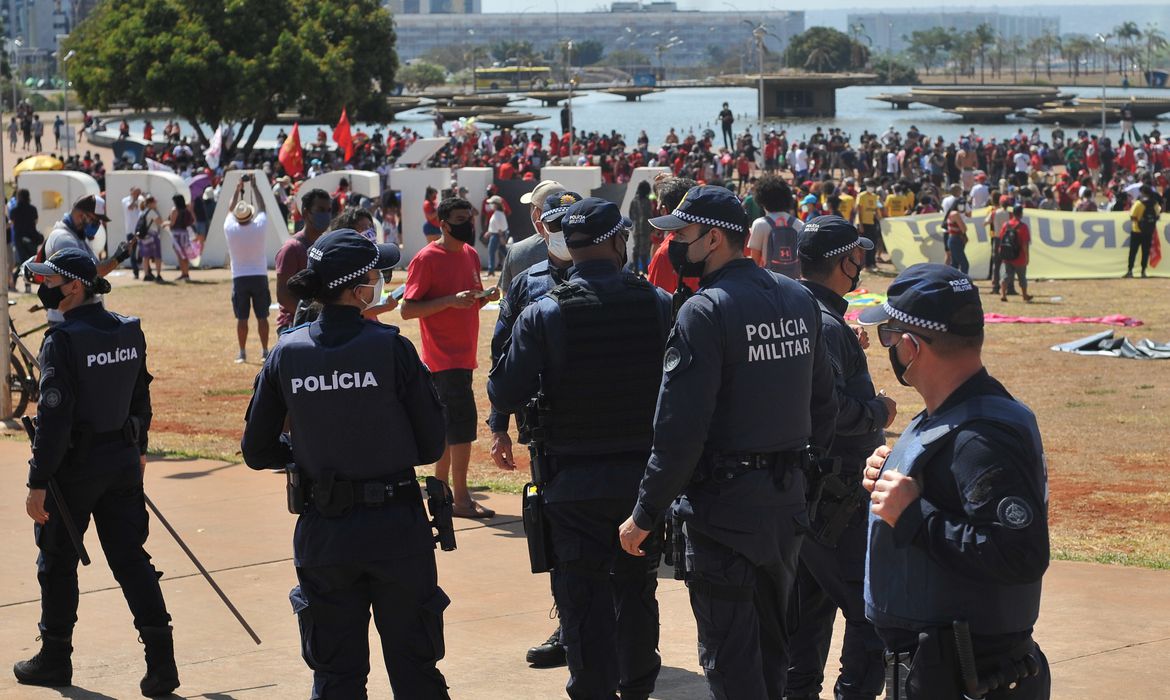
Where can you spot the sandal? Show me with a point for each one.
(475, 512)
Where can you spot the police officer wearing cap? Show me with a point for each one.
(832, 555)
(591, 348)
(91, 437)
(746, 386)
(362, 413)
(524, 289)
(958, 526)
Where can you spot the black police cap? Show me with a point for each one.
(930, 296)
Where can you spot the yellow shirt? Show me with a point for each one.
(867, 207)
(897, 205)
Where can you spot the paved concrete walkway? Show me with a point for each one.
(1105, 629)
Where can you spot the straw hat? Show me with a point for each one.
(243, 212)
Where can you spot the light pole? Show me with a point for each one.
(758, 34)
(16, 44)
(1104, 39)
(65, 100)
(569, 78)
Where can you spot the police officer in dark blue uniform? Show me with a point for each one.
(362, 413)
(832, 555)
(746, 386)
(958, 526)
(92, 424)
(525, 288)
(592, 348)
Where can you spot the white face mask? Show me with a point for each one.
(377, 296)
(557, 246)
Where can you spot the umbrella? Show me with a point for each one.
(199, 183)
(37, 163)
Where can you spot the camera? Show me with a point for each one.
(246, 178)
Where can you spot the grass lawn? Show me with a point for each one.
(1105, 421)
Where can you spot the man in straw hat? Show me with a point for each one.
(245, 229)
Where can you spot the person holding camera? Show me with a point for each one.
(246, 231)
(362, 413)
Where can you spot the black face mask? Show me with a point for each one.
(51, 297)
(898, 367)
(676, 251)
(855, 279)
(463, 232)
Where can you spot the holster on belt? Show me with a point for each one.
(440, 501)
(839, 502)
(295, 489)
(676, 545)
(945, 658)
(329, 498)
(540, 551)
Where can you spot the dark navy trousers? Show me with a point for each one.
(114, 498)
(333, 605)
(609, 615)
(831, 579)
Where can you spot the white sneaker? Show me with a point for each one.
(264, 354)
(240, 358)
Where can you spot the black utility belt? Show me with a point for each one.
(725, 466)
(338, 498)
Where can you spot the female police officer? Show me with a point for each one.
(362, 413)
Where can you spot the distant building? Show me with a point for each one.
(433, 7)
(668, 36)
(37, 23)
(887, 31)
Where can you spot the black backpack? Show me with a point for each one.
(142, 228)
(1149, 221)
(782, 241)
(1009, 243)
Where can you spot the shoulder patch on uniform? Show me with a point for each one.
(677, 357)
(1014, 513)
(51, 398)
(48, 373)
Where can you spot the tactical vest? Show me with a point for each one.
(106, 363)
(604, 402)
(904, 587)
(334, 395)
(857, 383)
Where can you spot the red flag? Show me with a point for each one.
(342, 136)
(1156, 249)
(291, 157)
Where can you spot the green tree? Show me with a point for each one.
(514, 51)
(826, 49)
(928, 45)
(237, 61)
(1127, 34)
(982, 38)
(421, 75)
(587, 53)
(894, 71)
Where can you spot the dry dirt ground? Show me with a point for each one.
(1105, 421)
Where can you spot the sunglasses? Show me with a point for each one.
(890, 335)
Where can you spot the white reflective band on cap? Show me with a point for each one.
(355, 274)
(913, 320)
(607, 235)
(692, 219)
(65, 273)
(843, 249)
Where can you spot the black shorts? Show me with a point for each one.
(251, 290)
(454, 387)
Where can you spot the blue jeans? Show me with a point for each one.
(958, 249)
(496, 250)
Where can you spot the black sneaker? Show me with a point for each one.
(548, 655)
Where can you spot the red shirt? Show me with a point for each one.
(450, 337)
(661, 273)
(292, 257)
(1023, 236)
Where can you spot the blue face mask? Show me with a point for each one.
(320, 219)
(91, 231)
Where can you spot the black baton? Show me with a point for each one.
(62, 509)
(198, 565)
(965, 650)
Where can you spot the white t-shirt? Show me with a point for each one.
(246, 245)
(801, 160)
(979, 195)
(130, 207)
(1022, 161)
(498, 223)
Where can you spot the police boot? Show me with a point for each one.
(51, 667)
(548, 655)
(161, 675)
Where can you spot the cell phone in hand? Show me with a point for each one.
(397, 294)
(485, 293)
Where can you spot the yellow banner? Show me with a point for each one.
(1065, 244)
